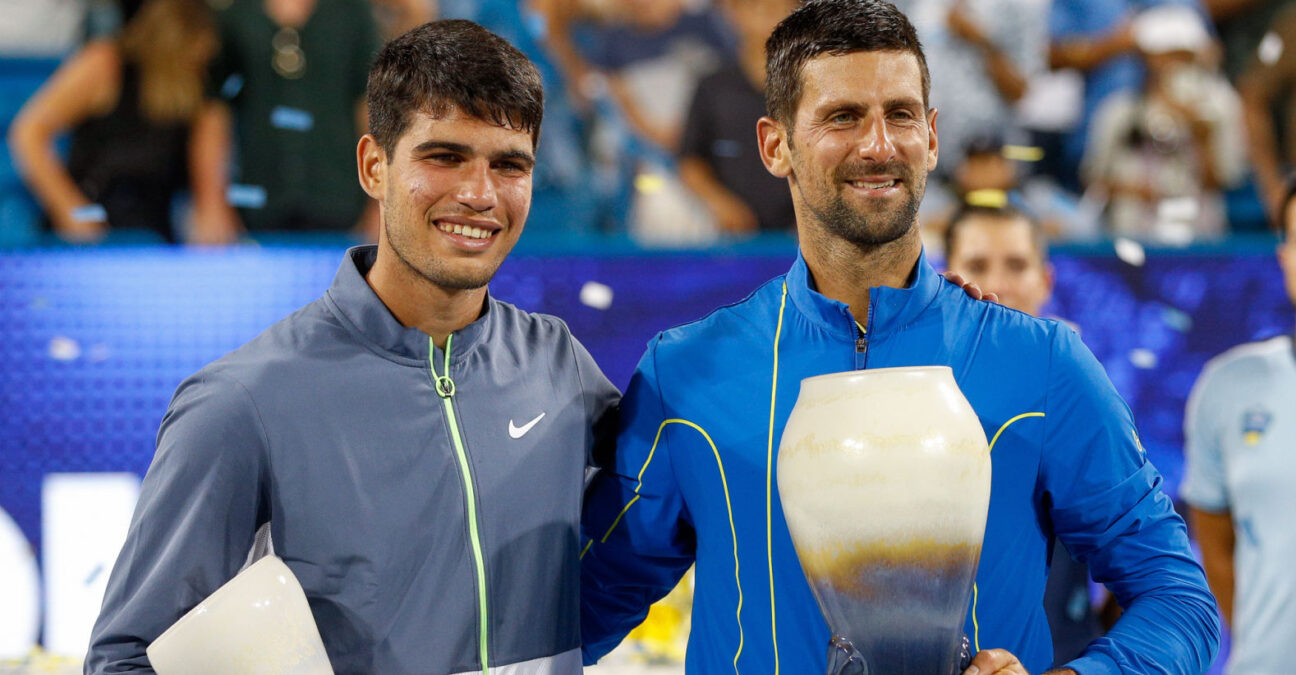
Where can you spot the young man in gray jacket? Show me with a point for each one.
(416, 447)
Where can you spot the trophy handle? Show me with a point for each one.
(844, 659)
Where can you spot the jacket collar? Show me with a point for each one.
(891, 309)
(353, 298)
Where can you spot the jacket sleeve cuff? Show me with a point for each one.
(1094, 663)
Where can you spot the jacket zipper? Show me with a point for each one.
(862, 340)
(445, 388)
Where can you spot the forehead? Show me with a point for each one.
(860, 78)
(984, 235)
(464, 129)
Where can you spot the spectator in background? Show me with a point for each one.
(1003, 251)
(131, 104)
(982, 54)
(293, 73)
(1163, 154)
(651, 55)
(1240, 484)
(990, 175)
(718, 158)
(1095, 37)
(1267, 83)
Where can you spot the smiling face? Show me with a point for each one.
(454, 193)
(860, 146)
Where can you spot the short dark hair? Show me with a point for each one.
(452, 63)
(834, 27)
(1006, 212)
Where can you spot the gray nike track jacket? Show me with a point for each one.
(429, 505)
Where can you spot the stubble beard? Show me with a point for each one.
(870, 230)
(435, 270)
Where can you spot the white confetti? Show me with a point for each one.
(1130, 251)
(596, 295)
(1143, 358)
(64, 349)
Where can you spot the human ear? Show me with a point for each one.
(774, 147)
(371, 166)
(933, 148)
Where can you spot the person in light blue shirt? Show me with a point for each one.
(1240, 482)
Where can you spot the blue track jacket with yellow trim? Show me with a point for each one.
(693, 479)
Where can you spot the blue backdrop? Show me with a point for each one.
(94, 341)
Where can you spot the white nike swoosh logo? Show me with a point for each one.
(519, 432)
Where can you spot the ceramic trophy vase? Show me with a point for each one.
(884, 476)
(258, 622)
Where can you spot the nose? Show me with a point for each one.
(875, 142)
(995, 280)
(476, 189)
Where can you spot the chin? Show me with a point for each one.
(464, 282)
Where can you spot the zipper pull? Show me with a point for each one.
(861, 340)
(445, 387)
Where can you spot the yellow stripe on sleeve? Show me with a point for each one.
(976, 627)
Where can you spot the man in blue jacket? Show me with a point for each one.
(693, 480)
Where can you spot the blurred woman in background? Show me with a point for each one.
(131, 103)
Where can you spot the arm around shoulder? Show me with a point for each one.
(638, 541)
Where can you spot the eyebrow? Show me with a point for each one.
(889, 104)
(428, 146)
(464, 149)
(903, 103)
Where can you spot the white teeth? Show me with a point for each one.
(873, 186)
(465, 231)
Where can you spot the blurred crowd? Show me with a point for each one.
(214, 121)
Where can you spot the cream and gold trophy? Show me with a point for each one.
(884, 476)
